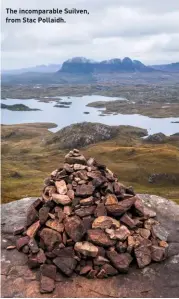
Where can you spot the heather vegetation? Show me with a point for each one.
(28, 157)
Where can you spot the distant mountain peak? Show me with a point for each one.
(138, 62)
(116, 65)
(111, 61)
(80, 60)
(127, 59)
(43, 68)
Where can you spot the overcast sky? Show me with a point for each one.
(141, 29)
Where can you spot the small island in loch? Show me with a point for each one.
(18, 107)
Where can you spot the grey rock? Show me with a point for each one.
(160, 232)
(156, 138)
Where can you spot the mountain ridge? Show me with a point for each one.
(81, 70)
(109, 65)
(84, 65)
(49, 68)
(172, 67)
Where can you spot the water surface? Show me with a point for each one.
(75, 114)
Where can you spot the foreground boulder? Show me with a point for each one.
(74, 235)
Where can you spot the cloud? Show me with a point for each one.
(132, 24)
(146, 30)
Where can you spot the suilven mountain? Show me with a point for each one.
(80, 70)
(83, 65)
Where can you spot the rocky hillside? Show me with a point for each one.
(27, 158)
(172, 67)
(83, 134)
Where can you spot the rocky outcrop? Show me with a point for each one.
(156, 280)
(157, 138)
(158, 178)
(79, 135)
(83, 134)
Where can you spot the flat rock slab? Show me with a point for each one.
(156, 280)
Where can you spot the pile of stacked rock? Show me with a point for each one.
(90, 224)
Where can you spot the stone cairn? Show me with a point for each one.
(90, 224)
